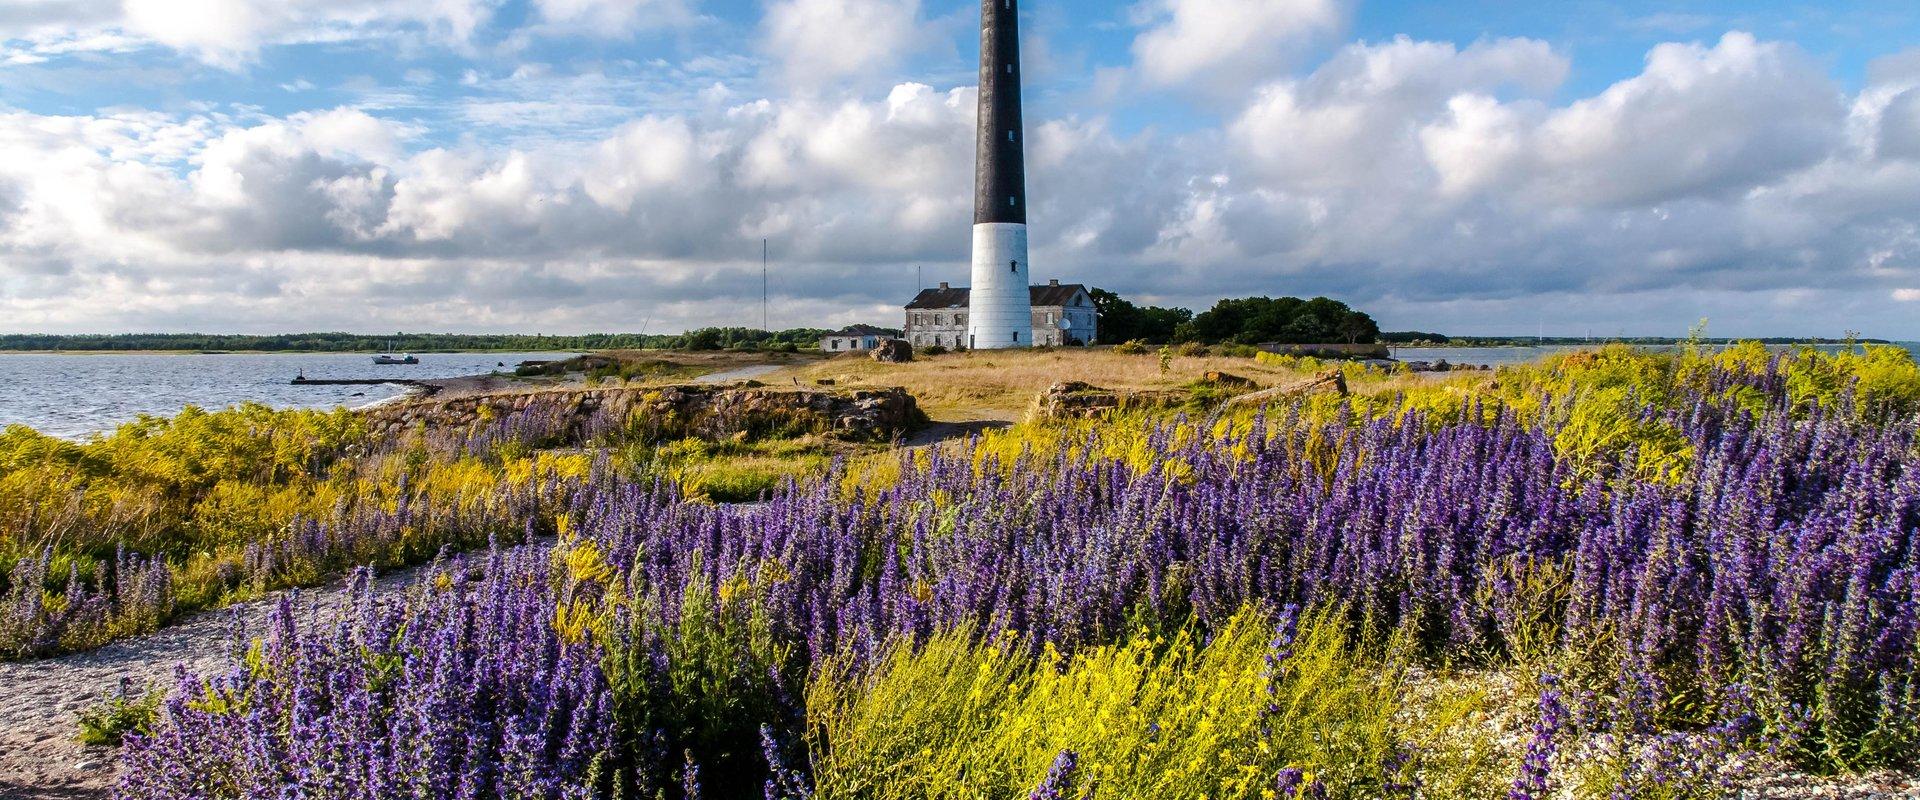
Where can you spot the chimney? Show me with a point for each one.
(943, 285)
(1053, 281)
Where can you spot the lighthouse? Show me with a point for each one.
(1001, 312)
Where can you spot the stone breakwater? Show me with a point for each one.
(670, 412)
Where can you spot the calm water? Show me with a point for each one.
(74, 395)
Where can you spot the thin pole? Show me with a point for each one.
(763, 284)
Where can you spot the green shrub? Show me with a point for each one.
(107, 723)
(1134, 347)
(1160, 716)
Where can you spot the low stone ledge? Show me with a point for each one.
(662, 413)
(1079, 400)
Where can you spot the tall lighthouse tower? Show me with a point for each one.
(1000, 309)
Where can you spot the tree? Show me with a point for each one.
(1122, 321)
(1357, 328)
(1285, 320)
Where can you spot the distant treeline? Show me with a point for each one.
(703, 339)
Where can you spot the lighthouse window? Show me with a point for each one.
(1010, 136)
(1013, 201)
(1016, 267)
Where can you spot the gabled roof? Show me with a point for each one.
(946, 298)
(943, 297)
(862, 330)
(1056, 294)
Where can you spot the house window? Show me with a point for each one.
(1049, 318)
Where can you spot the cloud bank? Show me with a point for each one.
(1442, 186)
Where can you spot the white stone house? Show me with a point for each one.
(1063, 314)
(854, 339)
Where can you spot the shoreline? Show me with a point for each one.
(273, 352)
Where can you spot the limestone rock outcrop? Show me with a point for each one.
(665, 413)
(893, 351)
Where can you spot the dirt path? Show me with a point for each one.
(39, 759)
(741, 373)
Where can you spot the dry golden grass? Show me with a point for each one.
(1003, 384)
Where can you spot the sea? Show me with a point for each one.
(77, 395)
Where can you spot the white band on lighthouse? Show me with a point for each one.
(1000, 311)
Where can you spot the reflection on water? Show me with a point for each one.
(74, 395)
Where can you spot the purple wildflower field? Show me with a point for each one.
(1765, 604)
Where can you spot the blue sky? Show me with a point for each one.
(572, 165)
(1606, 41)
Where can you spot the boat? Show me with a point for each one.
(390, 357)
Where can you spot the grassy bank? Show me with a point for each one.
(1003, 384)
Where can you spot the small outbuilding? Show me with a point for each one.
(854, 339)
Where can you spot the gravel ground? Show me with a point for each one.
(39, 759)
(1860, 787)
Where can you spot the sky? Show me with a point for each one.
(1477, 167)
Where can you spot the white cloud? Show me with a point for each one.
(1229, 41)
(1697, 120)
(1359, 113)
(230, 33)
(351, 132)
(612, 19)
(1907, 295)
(819, 42)
(1899, 134)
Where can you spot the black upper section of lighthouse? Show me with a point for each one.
(1000, 173)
